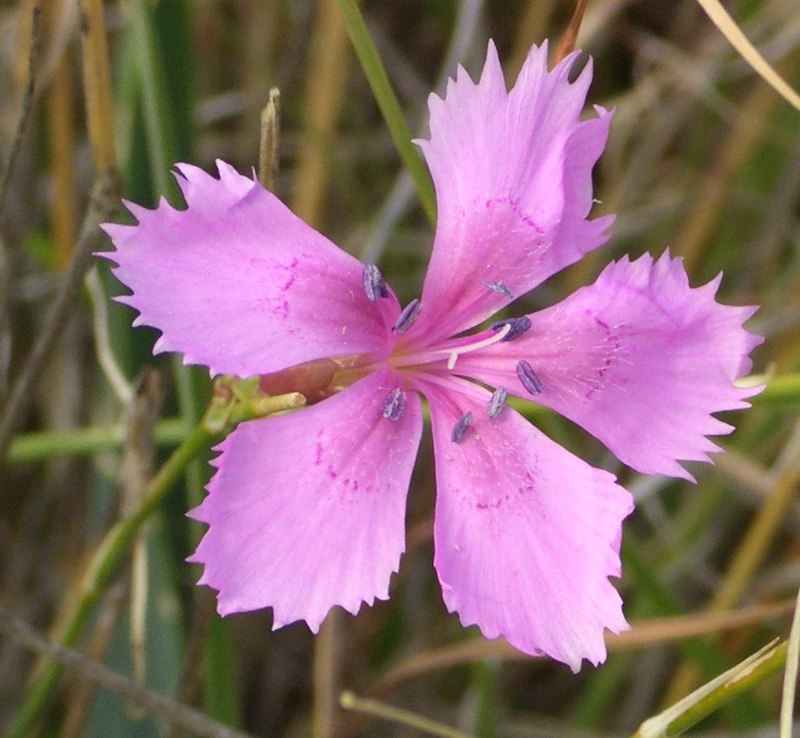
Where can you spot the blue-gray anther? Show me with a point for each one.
(460, 428)
(518, 327)
(528, 378)
(497, 402)
(497, 287)
(374, 286)
(408, 316)
(394, 404)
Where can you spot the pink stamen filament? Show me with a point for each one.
(496, 338)
(452, 354)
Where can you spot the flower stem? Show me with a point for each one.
(112, 548)
(779, 389)
(708, 698)
(350, 701)
(387, 102)
(41, 445)
(35, 446)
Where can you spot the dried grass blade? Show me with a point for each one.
(731, 30)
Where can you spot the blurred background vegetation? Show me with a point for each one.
(703, 158)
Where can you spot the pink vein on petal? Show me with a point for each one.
(306, 510)
(512, 172)
(639, 359)
(237, 282)
(526, 534)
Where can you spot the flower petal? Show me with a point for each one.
(526, 534)
(306, 510)
(512, 172)
(639, 359)
(239, 283)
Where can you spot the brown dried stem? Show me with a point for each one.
(97, 87)
(566, 44)
(268, 158)
(105, 195)
(25, 112)
(149, 700)
(103, 201)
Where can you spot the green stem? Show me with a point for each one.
(387, 102)
(350, 701)
(161, 146)
(162, 151)
(779, 389)
(109, 553)
(31, 447)
(101, 570)
(712, 696)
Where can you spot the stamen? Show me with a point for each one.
(394, 404)
(460, 428)
(518, 327)
(498, 287)
(455, 353)
(374, 286)
(407, 317)
(528, 378)
(497, 403)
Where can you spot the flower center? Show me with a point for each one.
(320, 378)
(316, 379)
(504, 330)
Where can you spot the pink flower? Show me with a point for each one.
(306, 510)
